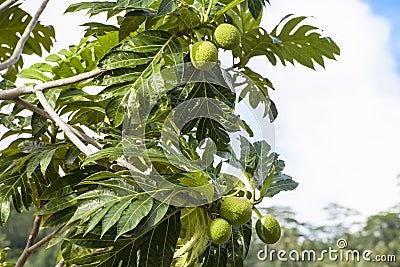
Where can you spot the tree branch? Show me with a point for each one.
(71, 132)
(32, 237)
(6, 4)
(25, 36)
(63, 126)
(40, 243)
(24, 90)
(43, 113)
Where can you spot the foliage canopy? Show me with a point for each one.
(66, 157)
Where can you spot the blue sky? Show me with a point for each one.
(389, 9)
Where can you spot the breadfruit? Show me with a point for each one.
(236, 210)
(268, 229)
(204, 55)
(227, 36)
(219, 231)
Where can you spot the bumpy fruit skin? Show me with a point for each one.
(204, 55)
(236, 210)
(219, 231)
(227, 36)
(268, 229)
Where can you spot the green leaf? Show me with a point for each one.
(111, 153)
(157, 212)
(142, 49)
(193, 238)
(39, 124)
(136, 3)
(154, 247)
(280, 183)
(95, 8)
(294, 42)
(116, 111)
(256, 89)
(13, 22)
(255, 7)
(4, 209)
(72, 154)
(267, 183)
(233, 252)
(96, 28)
(114, 214)
(265, 160)
(84, 212)
(16, 186)
(214, 256)
(159, 250)
(134, 213)
(242, 19)
(273, 112)
(45, 160)
(58, 204)
(34, 73)
(226, 8)
(166, 7)
(7, 84)
(132, 21)
(62, 186)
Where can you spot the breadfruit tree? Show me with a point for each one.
(131, 145)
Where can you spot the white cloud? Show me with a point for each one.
(337, 128)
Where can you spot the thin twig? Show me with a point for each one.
(24, 90)
(43, 113)
(32, 108)
(25, 36)
(32, 237)
(40, 243)
(6, 4)
(63, 126)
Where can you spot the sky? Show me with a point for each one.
(338, 127)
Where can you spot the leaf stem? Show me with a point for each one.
(257, 212)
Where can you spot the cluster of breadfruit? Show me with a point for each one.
(204, 54)
(235, 211)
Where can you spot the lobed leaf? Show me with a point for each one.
(294, 42)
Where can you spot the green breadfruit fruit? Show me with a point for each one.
(227, 36)
(204, 55)
(236, 210)
(268, 229)
(219, 231)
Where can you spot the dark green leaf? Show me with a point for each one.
(280, 183)
(132, 21)
(255, 7)
(13, 22)
(116, 111)
(136, 3)
(134, 213)
(58, 204)
(294, 42)
(166, 7)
